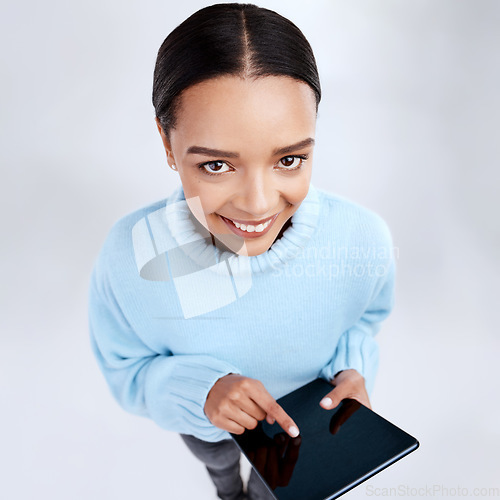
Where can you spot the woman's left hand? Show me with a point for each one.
(348, 384)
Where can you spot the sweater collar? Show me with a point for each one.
(187, 231)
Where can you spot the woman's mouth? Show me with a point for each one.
(250, 230)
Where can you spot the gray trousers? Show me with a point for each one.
(222, 460)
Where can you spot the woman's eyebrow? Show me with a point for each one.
(200, 150)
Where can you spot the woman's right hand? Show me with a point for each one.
(236, 403)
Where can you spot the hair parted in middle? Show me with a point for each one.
(239, 39)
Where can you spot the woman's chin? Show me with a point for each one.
(241, 246)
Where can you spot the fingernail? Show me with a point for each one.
(293, 431)
(326, 402)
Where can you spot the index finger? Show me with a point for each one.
(272, 408)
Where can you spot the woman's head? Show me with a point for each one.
(229, 39)
(240, 81)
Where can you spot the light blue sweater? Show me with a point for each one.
(170, 312)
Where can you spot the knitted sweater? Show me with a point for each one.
(171, 310)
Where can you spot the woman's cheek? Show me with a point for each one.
(196, 189)
(298, 191)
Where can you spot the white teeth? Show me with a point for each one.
(250, 228)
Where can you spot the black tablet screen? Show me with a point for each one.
(336, 450)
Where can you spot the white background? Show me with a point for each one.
(408, 126)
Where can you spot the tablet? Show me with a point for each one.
(336, 450)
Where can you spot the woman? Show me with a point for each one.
(247, 282)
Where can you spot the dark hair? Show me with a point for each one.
(238, 39)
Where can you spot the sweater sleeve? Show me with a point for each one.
(357, 347)
(169, 389)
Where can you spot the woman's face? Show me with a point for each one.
(243, 149)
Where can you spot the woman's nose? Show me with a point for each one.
(256, 195)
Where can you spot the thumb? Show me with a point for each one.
(270, 419)
(333, 398)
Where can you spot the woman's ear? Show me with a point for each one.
(166, 143)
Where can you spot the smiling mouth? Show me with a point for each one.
(249, 229)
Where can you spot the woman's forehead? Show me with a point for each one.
(225, 112)
(272, 92)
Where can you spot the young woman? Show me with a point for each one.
(247, 282)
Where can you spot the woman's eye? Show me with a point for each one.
(220, 167)
(291, 162)
(215, 167)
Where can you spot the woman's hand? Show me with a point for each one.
(348, 384)
(236, 403)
